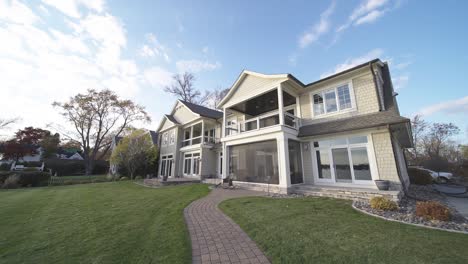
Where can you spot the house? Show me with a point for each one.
(113, 168)
(332, 137)
(69, 154)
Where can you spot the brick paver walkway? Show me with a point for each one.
(215, 237)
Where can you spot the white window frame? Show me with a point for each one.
(328, 149)
(172, 137)
(327, 89)
(191, 138)
(165, 140)
(167, 159)
(192, 163)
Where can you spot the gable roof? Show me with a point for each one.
(154, 137)
(202, 110)
(172, 119)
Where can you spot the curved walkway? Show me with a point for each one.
(215, 237)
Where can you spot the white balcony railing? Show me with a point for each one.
(271, 119)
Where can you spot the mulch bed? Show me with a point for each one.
(407, 209)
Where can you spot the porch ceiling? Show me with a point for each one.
(264, 103)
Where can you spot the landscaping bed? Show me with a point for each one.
(325, 230)
(406, 211)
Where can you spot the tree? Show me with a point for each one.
(418, 127)
(216, 97)
(14, 150)
(5, 122)
(50, 145)
(437, 138)
(135, 152)
(183, 88)
(97, 116)
(31, 135)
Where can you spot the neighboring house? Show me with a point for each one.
(27, 158)
(113, 168)
(190, 143)
(68, 154)
(336, 135)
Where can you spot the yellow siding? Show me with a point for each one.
(365, 97)
(252, 86)
(384, 156)
(183, 114)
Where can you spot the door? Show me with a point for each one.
(220, 164)
(341, 164)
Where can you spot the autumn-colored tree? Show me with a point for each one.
(27, 141)
(96, 116)
(14, 150)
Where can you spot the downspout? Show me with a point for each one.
(375, 85)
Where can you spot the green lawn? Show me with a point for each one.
(320, 230)
(116, 222)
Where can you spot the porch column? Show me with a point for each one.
(280, 104)
(225, 162)
(202, 131)
(283, 160)
(223, 125)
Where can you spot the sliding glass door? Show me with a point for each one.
(342, 160)
(192, 164)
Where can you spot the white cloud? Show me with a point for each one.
(157, 77)
(400, 81)
(195, 66)
(43, 63)
(205, 49)
(16, 12)
(367, 12)
(71, 7)
(449, 107)
(317, 30)
(402, 65)
(351, 62)
(370, 17)
(153, 48)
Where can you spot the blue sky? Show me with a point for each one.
(52, 49)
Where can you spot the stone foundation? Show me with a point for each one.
(348, 193)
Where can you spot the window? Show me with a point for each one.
(165, 139)
(192, 164)
(210, 135)
(172, 137)
(166, 165)
(254, 162)
(343, 160)
(332, 100)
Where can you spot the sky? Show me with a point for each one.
(53, 49)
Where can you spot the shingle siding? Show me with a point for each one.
(385, 159)
(307, 164)
(365, 96)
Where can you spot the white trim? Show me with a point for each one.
(333, 87)
(349, 147)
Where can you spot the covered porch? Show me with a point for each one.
(276, 107)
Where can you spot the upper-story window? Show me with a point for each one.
(172, 137)
(332, 100)
(165, 139)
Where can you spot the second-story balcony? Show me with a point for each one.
(263, 111)
(200, 133)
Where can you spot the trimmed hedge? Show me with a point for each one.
(419, 177)
(26, 178)
(74, 167)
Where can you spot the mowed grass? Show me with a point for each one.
(321, 230)
(117, 222)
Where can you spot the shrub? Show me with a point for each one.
(12, 182)
(123, 178)
(30, 169)
(432, 210)
(28, 178)
(419, 177)
(138, 178)
(74, 167)
(5, 167)
(381, 203)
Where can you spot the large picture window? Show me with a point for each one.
(254, 162)
(332, 100)
(343, 160)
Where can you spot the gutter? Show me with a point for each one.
(375, 85)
